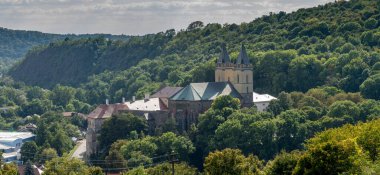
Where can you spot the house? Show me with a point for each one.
(11, 142)
(262, 101)
(95, 120)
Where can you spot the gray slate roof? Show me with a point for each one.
(224, 57)
(206, 91)
(243, 57)
(166, 92)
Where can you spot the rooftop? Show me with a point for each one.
(262, 97)
(106, 111)
(15, 135)
(206, 91)
(151, 104)
(166, 92)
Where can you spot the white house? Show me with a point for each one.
(262, 101)
(11, 142)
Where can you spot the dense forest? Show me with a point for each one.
(14, 44)
(335, 44)
(322, 63)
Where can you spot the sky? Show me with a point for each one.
(135, 17)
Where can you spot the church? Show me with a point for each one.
(184, 104)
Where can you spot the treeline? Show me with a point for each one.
(333, 44)
(14, 44)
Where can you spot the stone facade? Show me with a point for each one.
(240, 74)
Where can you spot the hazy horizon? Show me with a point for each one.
(134, 17)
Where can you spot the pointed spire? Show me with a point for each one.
(224, 57)
(243, 57)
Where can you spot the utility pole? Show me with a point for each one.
(173, 159)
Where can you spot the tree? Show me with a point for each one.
(28, 169)
(370, 23)
(232, 162)
(225, 101)
(47, 154)
(9, 169)
(29, 151)
(115, 160)
(344, 109)
(166, 168)
(291, 131)
(282, 103)
(170, 142)
(369, 139)
(120, 127)
(330, 157)
(307, 69)
(62, 95)
(66, 165)
(61, 142)
(195, 25)
(284, 163)
(371, 87)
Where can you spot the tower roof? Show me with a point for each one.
(243, 57)
(224, 57)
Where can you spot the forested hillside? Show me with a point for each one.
(14, 44)
(334, 44)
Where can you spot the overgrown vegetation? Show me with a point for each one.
(322, 63)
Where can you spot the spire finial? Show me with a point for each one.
(224, 57)
(243, 57)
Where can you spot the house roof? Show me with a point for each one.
(243, 57)
(9, 136)
(206, 91)
(262, 97)
(106, 111)
(151, 104)
(224, 57)
(166, 92)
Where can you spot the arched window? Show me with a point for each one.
(246, 78)
(228, 78)
(238, 78)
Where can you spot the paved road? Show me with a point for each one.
(81, 150)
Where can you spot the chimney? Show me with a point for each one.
(107, 102)
(146, 97)
(133, 98)
(123, 100)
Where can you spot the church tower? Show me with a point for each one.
(224, 71)
(239, 74)
(244, 77)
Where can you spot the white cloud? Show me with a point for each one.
(134, 16)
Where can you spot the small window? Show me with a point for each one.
(247, 90)
(246, 77)
(238, 78)
(228, 78)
